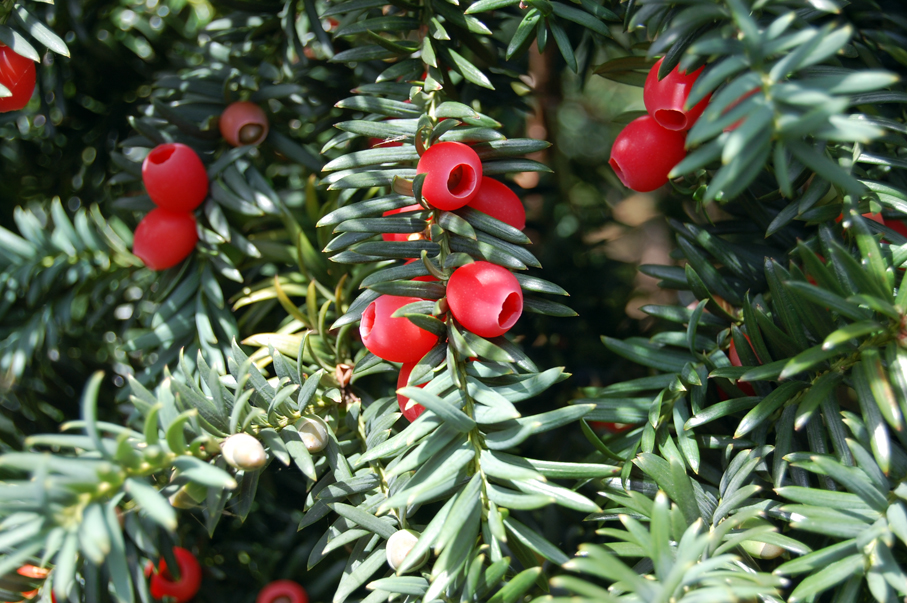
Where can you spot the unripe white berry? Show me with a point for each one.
(313, 434)
(244, 452)
(398, 547)
(761, 550)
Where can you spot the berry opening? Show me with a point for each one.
(671, 119)
(510, 311)
(249, 134)
(161, 154)
(461, 181)
(368, 320)
(620, 173)
(282, 599)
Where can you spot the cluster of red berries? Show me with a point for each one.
(486, 299)
(177, 183)
(34, 572)
(17, 74)
(161, 582)
(646, 151)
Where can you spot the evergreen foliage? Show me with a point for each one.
(777, 478)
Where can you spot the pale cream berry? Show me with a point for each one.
(244, 452)
(313, 434)
(398, 547)
(761, 550)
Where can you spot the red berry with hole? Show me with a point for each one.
(734, 357)
(175, 177)
(243, 123)
(498, 201)
(17, 74)
(282, 591)
(644, 153)
(401, 236)
(165, 238)
(485, 298)
(666, 99)
(183, 590)
(453, 175)
(394, 339)
(412, 413)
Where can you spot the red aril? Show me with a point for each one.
(164, 238)
(175, 177)
(401, 236)
(17, 74)
(644, 154)
(243, 123)
(498, 201)
(734, 357)
(453, 174)
(282, 591)
(666, 99)
(394, 339)
(183, 590)
(414, 410)
(485, 298)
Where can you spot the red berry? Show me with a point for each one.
(175, 177)
(17, 74)
(898, 226)
(400, 236)
(498, 201)
(282, 591)
(730, 106)
(485, 298)
(734, 357)
(182, 591)
(425, 279)
(610, 427)
(665, 99)
(412, 413)
(869, 216)
(453, 175)
(394, 339)
(164, 238)
(644, 153)
(243, 123)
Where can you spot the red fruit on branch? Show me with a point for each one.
(610, 427)
(282, 591)
(426, 278)
(485, 298)
(412, 413)
(400, 236)
(868, 215)
(183, 590)
(498, 201)
(243, 123)
(666, 99)
(734, 357)
(164, 238)
(175, 177)
(17, 74)
(453, 174)
(644, 153)
(394, 339)
(899, 226)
